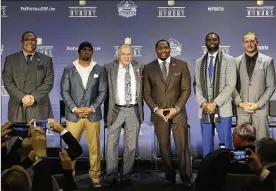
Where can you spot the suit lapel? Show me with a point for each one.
(243, 68)
(33, 67)
(114, 75)
(76, 73)
(90, 77)
(257, 65)
(158, 69)
(22, 63)
(137, 79)
(172, 68)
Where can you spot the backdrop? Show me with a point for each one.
(62, 25)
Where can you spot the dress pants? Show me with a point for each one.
(224, 134)
(92, 135)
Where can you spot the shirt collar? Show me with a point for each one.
(121, 65)
(215, 54)
(77, 65)
(26, 54)
(254, 57)
(168, 60)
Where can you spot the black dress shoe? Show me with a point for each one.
(110, 183)
(168, 183)
(128, 181)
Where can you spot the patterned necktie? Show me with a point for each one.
(211, 66)
(164, 71)
(128, 96)
(29, 61)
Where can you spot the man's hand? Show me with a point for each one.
(28, 101)
(88, 110)
(204, 106)
(172, 112)
(246, 107)
(39, 141)
(55, 126)
(80, 112)
(160, 113)
(66, 162)
(254, 162)
(253, 107)
(5, 131)
(211, 107)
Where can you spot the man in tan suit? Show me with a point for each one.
(167, 87)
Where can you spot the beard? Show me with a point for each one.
(86, 58)
(212, 48)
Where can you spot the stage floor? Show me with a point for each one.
(145, 180)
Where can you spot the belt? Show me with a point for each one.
(128, 105)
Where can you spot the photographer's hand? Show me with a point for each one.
(254, 162)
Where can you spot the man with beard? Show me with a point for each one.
(255, 86)
(83, 89)
(28, 77)
(167, 87)
(215, 76)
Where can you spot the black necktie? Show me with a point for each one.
(251, 67)
(29, 61)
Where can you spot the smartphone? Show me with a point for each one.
(20, 130)
(239, 156)
(41, 123)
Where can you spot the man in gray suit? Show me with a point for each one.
(215, 77)
(28, 77)
(83, 89)
(123, 107)
(255, 86)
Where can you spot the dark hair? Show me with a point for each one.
(212, 33)
(27, 32)
(162, 40)
(266, 147)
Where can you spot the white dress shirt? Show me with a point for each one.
(121, 85)
(214, 59)
(84, 73)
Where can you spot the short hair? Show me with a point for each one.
(246, 131)
(15, 178)
(27, 32)
(212, 33)
(119, 48)
(162, 40)
(266, 147)
(250, 34)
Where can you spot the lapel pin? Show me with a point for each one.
(38, 60)
(173, 64)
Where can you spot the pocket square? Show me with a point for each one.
(177, 73)
(95, 76)
(40, 67)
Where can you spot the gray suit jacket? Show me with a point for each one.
(228, 79)
(260, 87)
(20, 80)
(74, 94)
(110, 111)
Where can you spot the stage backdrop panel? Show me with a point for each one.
(62, 25)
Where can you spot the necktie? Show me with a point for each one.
(251, 67)
(29, 61)
(164, 71)
(211, 66)
(128, 96)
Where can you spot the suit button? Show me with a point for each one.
(249, 84)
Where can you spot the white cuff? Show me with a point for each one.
(74, 109)
(264, 174)
(63, 132)
(155, 109)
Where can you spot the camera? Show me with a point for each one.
(239, 156)
(20, 130)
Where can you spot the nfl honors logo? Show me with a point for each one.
(127, 9)
(4, 11)
(47, 50)
(175, 47)
(260, 11)
(224, 49)
(82, 11)
(171, 12)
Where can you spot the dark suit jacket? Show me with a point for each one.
(74, 94)
(175, 92)
(37, 80)
(110, 111)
